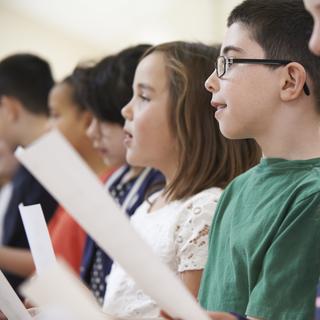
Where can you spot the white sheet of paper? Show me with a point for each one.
(10, 304)
(59, 286)
(67, 177)
(38, 236)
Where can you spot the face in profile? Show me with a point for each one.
(149, 141)
(313, 6)
(240, 111)
(107, 138)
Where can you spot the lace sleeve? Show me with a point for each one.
(193, 228)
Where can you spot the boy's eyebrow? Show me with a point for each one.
(231, 48)
(145, 86)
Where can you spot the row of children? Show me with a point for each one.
(102, 90)
(263, 259)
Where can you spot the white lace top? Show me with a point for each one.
(178, 233)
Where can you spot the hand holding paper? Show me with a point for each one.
(58, 286)
(10, 304)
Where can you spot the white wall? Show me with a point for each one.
(21, 34)
(68, 31)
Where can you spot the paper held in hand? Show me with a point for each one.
(70, 297)
(58, 167)
(58, 292)
(38, 237)
(10, 304)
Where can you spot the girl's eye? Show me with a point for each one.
(144, 98)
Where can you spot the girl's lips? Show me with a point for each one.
(127, 137)
(127, 132)
(218, 105)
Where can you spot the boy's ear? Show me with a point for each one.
(11, 107)
(293, 79)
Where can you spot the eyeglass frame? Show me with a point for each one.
(229, 61)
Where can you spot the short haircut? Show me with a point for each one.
(283, 29)
(107, 86)
(27, 78)
(76, 97)
(206, 158)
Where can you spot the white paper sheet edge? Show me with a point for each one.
(38, 236)
(67, 177)
(10, 304)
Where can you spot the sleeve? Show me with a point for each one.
(295, 275)
(192, 231)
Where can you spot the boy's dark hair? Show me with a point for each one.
(283, 29)
(27, 78)
(107, 86)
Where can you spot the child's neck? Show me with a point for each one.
(160, 202)
(299, 143)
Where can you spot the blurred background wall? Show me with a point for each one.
(66, 32)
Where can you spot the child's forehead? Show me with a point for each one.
(239, 40)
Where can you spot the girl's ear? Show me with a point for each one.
(293, 81)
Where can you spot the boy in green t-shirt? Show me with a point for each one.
(264, 255)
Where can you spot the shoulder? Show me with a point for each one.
(201, 206)
(193, 227)
(243, 178)
(204, 197)
(309, 185)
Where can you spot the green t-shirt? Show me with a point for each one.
(264, 251)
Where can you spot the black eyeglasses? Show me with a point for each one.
(223, 63)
